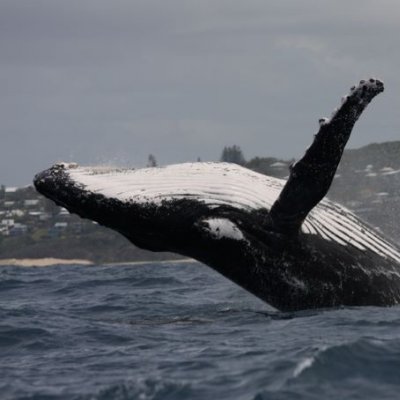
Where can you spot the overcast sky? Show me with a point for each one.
(101, 81)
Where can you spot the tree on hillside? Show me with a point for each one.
(233, 154)
(151, 161)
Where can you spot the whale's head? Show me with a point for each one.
(54, 184)
(168, 209)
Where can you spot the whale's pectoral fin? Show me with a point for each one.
(311, 176)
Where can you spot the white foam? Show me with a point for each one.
(303, 365)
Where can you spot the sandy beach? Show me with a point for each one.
(48, 262)
(42, 262)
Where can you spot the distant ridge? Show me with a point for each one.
(380, 155)
(368, 182)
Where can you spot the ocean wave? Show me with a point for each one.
(9, 284)
(146, 389)
(182, 332)
(370, 358)
(11, 335)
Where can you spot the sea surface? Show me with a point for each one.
(180, 331)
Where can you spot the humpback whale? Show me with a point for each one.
(280, 240)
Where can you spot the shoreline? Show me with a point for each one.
(50, 261)
(172, 260)
(42, 262)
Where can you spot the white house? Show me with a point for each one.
(278, 165)
(7, 222)
(17, 213)
(61, 225)
(31, 203)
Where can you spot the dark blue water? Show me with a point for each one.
(180, 331)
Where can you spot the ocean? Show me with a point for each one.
(180, 331)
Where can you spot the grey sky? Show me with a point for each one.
(98, 81)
